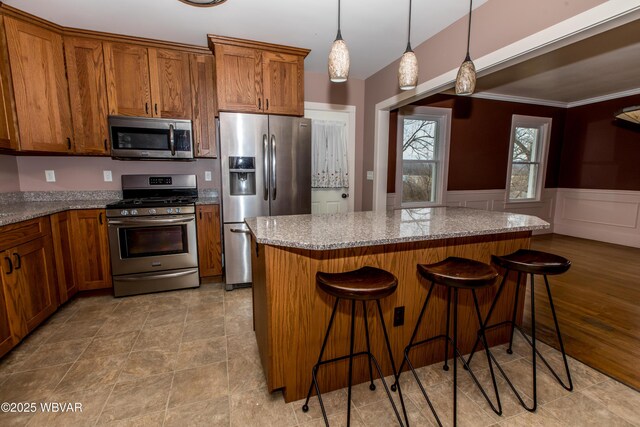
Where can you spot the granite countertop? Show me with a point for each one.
(355, 229)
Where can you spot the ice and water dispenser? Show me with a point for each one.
(242, 176)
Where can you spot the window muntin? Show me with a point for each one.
(527, 157)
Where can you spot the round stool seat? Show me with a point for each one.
(459, 273)
(366, 283)
(534, 262)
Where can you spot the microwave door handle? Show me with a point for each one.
(172, 140)
(273, 165)
(265, 165)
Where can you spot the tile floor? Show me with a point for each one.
(189, 358)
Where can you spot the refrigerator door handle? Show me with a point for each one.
(265, 166)
(273, 165)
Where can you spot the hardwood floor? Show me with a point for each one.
(597, 303)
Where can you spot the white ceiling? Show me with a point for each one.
(375, 30)
(599, 66)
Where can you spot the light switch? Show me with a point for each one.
(207, 175)
(370, 175)
(50, 176)
(107, 176)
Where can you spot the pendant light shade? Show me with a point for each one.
(466, 79)
(339, 57)
(408, 69)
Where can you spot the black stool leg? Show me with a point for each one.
(314, 381)
(353, 323)
(455, 359)
(446, 344)
(515, 312)
(372, 386)
(395, 373)
(564, 355)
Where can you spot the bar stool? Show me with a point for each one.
(526, 261)
(455, 274)
(364, 284)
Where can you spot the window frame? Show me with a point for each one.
(543, 124)
(443, 139)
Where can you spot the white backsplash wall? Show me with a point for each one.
(9, 180)
(86, 173)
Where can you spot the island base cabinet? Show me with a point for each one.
(291, 315)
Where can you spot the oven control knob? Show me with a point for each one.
(124, 212)
(152, 211)
(134, 212)
(177, 210)
(169, 210)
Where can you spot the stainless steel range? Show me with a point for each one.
(152, 234)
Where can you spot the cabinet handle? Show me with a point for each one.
(100, 218)
(68, 143)
(146, 107)
(267, 104)
(156, 108)
(105, 145)
(201, 214)
(10, 265)
(18, 260)
(259, 103)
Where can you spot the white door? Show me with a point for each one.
(334, 200)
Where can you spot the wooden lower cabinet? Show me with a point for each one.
(61, 232)
(209, 240)
(29, 287)
(90, 249)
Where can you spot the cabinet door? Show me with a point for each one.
(6, 339)
(283, 83)
(62, 238)
(128, 85)
(239, 79)
(30, 286)
(209, 241)
(88, 93)
(90, 249)
(203, 94)
(170, 83)
(39, 87)
(8, 125)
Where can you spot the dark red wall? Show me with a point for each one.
(599, 151)
(480, 136)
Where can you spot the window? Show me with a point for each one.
(421, 169)
(527, 159)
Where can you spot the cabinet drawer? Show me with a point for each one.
(16, 234)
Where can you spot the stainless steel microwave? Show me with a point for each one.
(150, 138)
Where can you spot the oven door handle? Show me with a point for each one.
(157, 276)
(150, 221)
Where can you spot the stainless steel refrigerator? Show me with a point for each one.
(265, 163)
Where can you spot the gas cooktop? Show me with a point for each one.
(152, 202)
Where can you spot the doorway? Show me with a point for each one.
(335, 200)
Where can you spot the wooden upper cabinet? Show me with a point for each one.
(239, 78)
(8, 125)
(127, 75)
(256, 77)
(170, 83)
(88, 94)
(203, 95)
(283, 81)
(40, 87)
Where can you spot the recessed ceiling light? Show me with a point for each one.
(203, 3)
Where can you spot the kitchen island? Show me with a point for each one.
(291, 315)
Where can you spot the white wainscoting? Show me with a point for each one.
(605, 215)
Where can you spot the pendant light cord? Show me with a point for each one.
(469, 30)
(409, 34)
(339, 35)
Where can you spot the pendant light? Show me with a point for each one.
(339, 57)
(466, 79)
(203, 3)
(408, 70)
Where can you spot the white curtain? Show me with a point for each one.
(329, 163)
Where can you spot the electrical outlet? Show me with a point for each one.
(207, 175)
(50, 176)
(370, 175)
(108, 177)
(398, 316)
